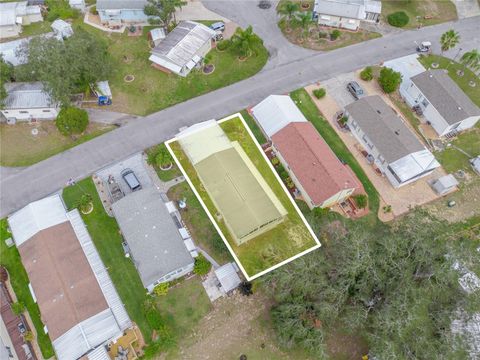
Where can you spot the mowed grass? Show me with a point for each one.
(254, 127)
(452, 66)
(18, 147)
(152, 89)
(196, 219)
(10, 259)
(453, 160)
(106, 236)
(308, 108)
(183, 307)
(287, 239)
(436, 11)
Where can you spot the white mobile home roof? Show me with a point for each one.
(276, 112)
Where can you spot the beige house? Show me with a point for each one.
(346, 14)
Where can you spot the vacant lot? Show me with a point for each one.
(10, 259)
(153, 90)
(18, 147)
(421, 12)
(453, 159)
(452, 66)
(287, 239)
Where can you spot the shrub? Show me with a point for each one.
(202, 266)
(223, 45)
(85, 202)
(71, 120)
(322, 35)
(398, 19)
(153, 317)
(275, 161)
(163, 158)
(367, 74)
(389, 80)
(246, 288)
(28, 336)
(161, 289)
(335, 34)
(93, 10)
(18, 308)
(319, 93)
(343, 120)
(361, 200)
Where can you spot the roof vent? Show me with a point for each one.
(379, 112)
(397, 132)
(459, 108)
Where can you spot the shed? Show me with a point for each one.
(156, 35)
(62, 29)
(444, 184)
(103, 89)
(475, 162)
(228, 277)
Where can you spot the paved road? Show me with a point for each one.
(46, 177)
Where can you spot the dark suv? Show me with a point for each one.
(131, 179)
(355, 89)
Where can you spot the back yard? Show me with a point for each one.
(421, 12)
(18, 147)
(152, 90)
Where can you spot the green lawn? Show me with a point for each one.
(10, 259)
(108, 241)
(439, 11)
(183, 307)
(308, 108)
(198, 223)
(153, 90)
(280, 243)
(462, 81)
(254, 127)
(18, 147)
(453, 159)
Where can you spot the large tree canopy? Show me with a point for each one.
(394, 285)
(66, 67)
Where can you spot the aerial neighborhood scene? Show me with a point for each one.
(245, 180)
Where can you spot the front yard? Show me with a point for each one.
(10, 259)
(152, 90)
(18, 147)
(318, 37)
(421, 12)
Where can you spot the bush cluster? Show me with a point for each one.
(389, 80)
(398, 19)
(223, 45)
(202, 266)
(335, 34)
(367, 74)
(71, 120)
(319, 93)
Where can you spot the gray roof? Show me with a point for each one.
(384, 128)
(23, 95)
(183, 42)
(121, 4)
(152, 236)
(345, 8)
(445, 96)
(228, 277)
(10, 11)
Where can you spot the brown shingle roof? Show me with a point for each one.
(66, 289)
(312, 161)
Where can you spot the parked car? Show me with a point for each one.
(22, 328)
(218, 26)
(131, 179)
(355, 89)
(424, 47)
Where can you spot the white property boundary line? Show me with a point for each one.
(249, 278)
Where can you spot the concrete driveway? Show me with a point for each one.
(467, 8)
(337, 88)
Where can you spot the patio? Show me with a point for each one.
(127, 347)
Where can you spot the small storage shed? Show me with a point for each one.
(102, 88)
(62, 29)
(475, 162)
(156, 35)
(228, 277)
(444, 184)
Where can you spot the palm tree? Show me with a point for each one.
(305, 19)
(449, 40)
(471, 59)
(245, 41)
(288, 9)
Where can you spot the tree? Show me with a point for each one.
(246, 42)
(163, 11)
(71, 120)
(85, 203)
(471, 59)
(65, 67)
(305, 20)
(202, 265)
(389, 79)
(6, 75)
(163, 159)
(398, 19)
(288, 9)
(319, 93)
(449, 40)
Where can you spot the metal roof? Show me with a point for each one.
(354, 9)
(62, 27)
(275, 112)
(239, 192)
(121, 4)
(157, 34)
(10, 11)
(9, 51)
(152, 236)
(182, 43)
(23, 95)
(445, 96)
(385, 129)
(228, 277)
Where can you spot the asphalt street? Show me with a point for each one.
(18, 188)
